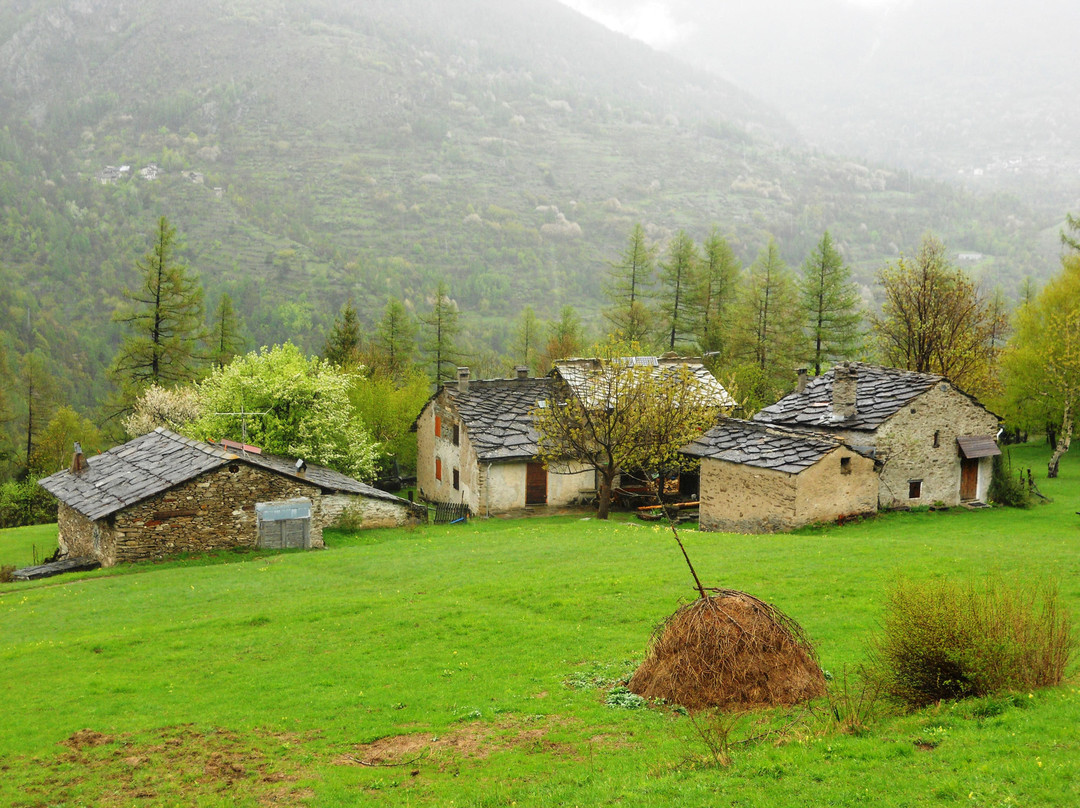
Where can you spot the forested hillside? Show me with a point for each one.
(312, 150)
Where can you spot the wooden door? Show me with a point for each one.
(535, 484)
(969, 478)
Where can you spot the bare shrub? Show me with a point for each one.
(942, 640)
(731, 651)
(5, 574)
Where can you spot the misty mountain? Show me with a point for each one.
(313, 150)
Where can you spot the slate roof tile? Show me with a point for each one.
(761, 445)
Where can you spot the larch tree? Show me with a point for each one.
(527, 339)
(36, 389)
(440, 340)
(1041, 363)
(225, 338)
(343, 343)
(714, 295)
(830, 305)
(163, 315)
(769, 319)
(629, 282)
(565, 339)
(677, 276)
(934, 320)
(395, 338)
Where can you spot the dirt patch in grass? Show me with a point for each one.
(475, 740)
(173, 765)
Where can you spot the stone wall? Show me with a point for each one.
(825, 492)
(906, 445)
(737, 498)
(373, 512)
(78, 536)
(461, 457)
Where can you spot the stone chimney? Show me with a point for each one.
(844, 394)
(801, 388)
(522, 372)
(463, 380)
(78, 461)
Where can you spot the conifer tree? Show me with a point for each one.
(829, 305)
(677, 275)
(714, 295)
(565, 339)
(442, 329)
(343, 343)
(630, 279)
(395, 338)
(769, 321)
(527, 339)
(225, 339)
(164, 319)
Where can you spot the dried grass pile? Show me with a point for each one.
(732, 651)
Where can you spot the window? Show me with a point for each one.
(937, 438)
(914, 489)
(457, 480)
(438, 468)
(845, 465)
(438, 426)
(457, 434)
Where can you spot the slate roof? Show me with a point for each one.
(585, 377)
(761, 445)
(497, 415)
(880, 393)
(160, 460)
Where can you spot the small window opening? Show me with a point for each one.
(457, 434)
(914, 489)
(845, 465)
(937, 438)
(233, 468)
(438, 468)
(457, 480)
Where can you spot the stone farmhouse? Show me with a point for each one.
(162, 494)
(933, 443)
(759, 478)
(476, 443)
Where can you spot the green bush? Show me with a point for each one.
(941, 640)
(24, 502)
(1005, 489)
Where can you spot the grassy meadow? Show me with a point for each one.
(469, 664)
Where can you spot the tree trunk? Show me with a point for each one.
(604, 508)
(1064, 439)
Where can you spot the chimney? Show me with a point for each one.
(522, 372)
(78, 461)
(801, 388)
(463, 380)
(844, 395)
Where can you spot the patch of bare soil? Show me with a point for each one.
(174, 765)
(475, 740)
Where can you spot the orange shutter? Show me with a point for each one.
(438, 467)
(438, 426)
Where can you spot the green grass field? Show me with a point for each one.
(458, 663)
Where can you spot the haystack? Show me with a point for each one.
(732, 651)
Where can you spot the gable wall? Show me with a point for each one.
(824, 493)
(737, 498)
(905, 442)
(461, 457)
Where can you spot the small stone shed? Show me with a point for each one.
(759, 479)
(162, 494)
(933, 442)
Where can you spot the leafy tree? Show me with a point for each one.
(935, 321)
(225, 338)
(526, 345)
(769, 322)
(631, 276)
(635, 417)
(395, 338)
(37, 390)
(57, 441)
(565, 339)
(343, 344)
(714, 295)
(829, 305)
(1041, 363)
(388, 406)
(286, 403)
(676, 281)
(442, 331)
(170, 407)
(163, 315)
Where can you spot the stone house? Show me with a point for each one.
(933, 442)
(760, 479)
(162, 494)
(476, 442)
